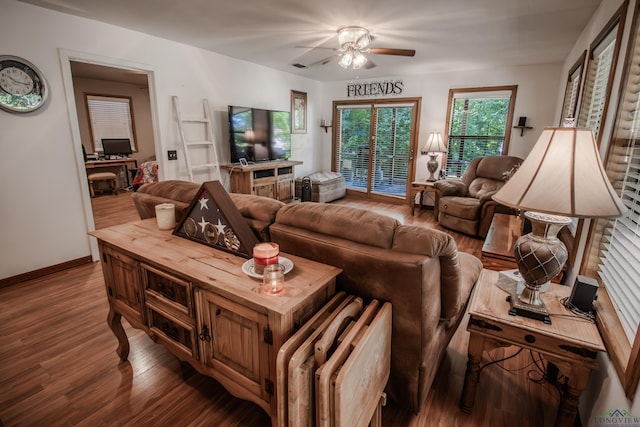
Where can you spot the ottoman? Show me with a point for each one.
(325, 186)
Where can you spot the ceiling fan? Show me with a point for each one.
(354, 43)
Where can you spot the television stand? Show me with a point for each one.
(269, 179)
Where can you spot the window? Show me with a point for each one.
(613, 249)
(479, 125)
(599, 78)
(110, 117)
(572, 89)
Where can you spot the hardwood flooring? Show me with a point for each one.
(58, 364)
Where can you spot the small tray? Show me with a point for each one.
(249, 270)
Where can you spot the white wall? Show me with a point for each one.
(535, 99)
(43, 217)
(605, 390)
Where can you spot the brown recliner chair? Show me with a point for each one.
(465, 205)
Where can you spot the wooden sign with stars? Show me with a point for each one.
(213, 219)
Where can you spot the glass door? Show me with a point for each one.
(374, 146)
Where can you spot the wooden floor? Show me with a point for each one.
(58, 364)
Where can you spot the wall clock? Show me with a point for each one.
(22, 85)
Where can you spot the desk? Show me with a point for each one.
(421, 187)
(95, 164)
(569, 343)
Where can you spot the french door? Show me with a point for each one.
(374, 145)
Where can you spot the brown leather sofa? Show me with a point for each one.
(465, 204)
(259, 212)
(419, 270)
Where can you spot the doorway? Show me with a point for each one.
(93, 81)
(374, 143)
(113, 72)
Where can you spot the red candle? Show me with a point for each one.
(265, 254)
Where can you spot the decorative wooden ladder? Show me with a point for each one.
(212, 165)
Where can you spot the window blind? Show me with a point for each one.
(477, 128)
(110, 117)
(571, 92)
(392, 130)
(351, 154)
(615, 249)
(595, 90)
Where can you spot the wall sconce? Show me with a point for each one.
(326, 124)
(522, 124)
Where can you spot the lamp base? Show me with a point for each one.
(540, 256)
(432, 167)
(519, 308)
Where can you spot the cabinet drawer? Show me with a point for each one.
(166, 289)
(174, 332)
(516, 335)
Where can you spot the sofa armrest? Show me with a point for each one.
(458, 271)
(451, 187)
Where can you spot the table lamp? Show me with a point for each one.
(562, 177)
(434, 144)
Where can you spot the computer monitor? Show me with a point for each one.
(116, 147)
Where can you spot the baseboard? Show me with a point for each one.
(44, 271)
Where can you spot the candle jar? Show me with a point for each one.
(166, 216)
(273, 279)
(265, 254)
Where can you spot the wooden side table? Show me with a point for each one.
(421, 187)
(572, 344)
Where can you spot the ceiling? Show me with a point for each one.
(447, 35)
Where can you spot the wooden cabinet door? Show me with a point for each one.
(122, 279)
(234, 340)
(265, 189)
(285, 188)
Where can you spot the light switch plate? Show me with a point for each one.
(172, 154)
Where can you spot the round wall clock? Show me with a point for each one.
(22, 85)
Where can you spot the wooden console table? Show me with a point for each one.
(269, 179)
(572, 344)
(197, 302)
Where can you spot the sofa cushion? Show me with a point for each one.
(257, 207)
(357, 225)
(494, 167)
(484, 188)
(180, 193)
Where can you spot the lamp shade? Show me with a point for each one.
(563, 175)
(434, 144)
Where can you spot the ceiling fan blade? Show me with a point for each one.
(369, 65)
(387, 51)
(323, 61)
(315, 47)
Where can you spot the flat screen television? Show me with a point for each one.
(259, 135)
(116, 147)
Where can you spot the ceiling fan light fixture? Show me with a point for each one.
(358, 60)
(346, 59)
(357, 37)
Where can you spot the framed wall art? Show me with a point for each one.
(298, 112)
